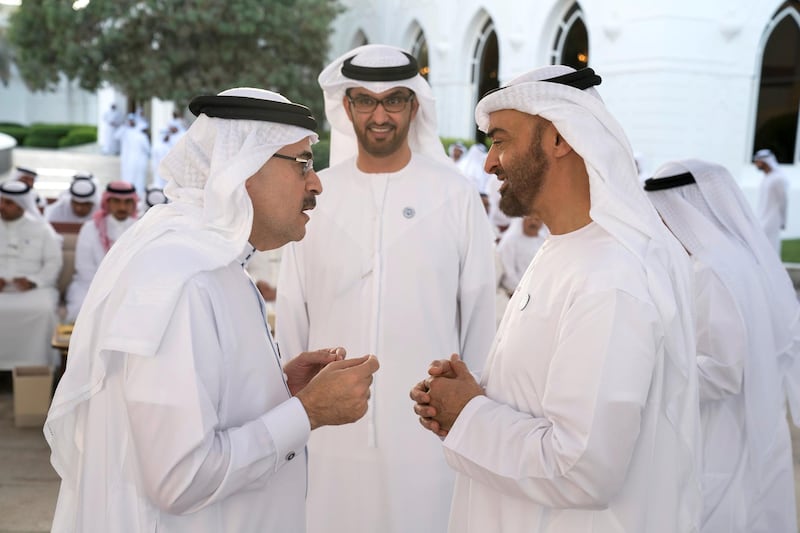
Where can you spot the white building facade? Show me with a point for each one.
(685, 78)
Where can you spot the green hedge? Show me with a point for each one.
(17, 131)
(52, 135)
(80, 135)
(790, 251)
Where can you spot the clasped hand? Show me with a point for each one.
(440, 398)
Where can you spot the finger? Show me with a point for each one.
(424, 411)
(420, 395)
(348, 363)
(439, 367)
(429, 424)
(458, 366)
(339, 352)
(318, 357)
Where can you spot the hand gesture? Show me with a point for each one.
(441, 397)
(338, 394)
(302, 369)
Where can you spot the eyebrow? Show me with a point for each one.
(400, 91)
(306, 155)
(494, 131)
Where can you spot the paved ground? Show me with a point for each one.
(28, 484)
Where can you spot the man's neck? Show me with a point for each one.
(382, 165)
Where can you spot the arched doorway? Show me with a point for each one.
(485, 66)
(776, 125)
(571, 45)
(420, 51)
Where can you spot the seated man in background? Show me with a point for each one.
(77, 205)
(116, 214)
(152, 196)
(28, 176)
(30, 260)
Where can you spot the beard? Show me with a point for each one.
(524, 177)
(387, 146)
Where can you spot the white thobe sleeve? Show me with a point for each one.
(186, 459)
(476, 288)
(721, 340)
(576, 452)
(52, 259)
(291, 313)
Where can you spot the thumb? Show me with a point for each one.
(319, 356)
(369, 364)
(458, 366)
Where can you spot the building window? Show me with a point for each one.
(420, 51)
(571, 46)
(776, 125)
(485, 66)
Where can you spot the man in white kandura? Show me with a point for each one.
(397, 262)
(30, 261)
(117, 213)
(585, 418)
(77, 204)
(748, 335)
(772, 197)
(177, 413)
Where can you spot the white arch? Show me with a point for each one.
(417, 40)
(571, 14)
(788, 11)
(359, 38)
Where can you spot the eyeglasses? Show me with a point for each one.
(308, 164)
(392, 104)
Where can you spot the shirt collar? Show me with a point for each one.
(247, 253)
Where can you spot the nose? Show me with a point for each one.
(379, 114)
(313, 183)
(492, 162)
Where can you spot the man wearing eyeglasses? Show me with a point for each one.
(177, 412)
(397, 262)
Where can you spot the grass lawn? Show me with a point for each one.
(790, 251)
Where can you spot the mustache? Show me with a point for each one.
(309, 202)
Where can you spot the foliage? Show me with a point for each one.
(5, 59)
(790, 251)
(51, 135)
(18, 132)
(175, 49)
(79, 135)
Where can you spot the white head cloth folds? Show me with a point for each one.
(208, 220)
(83, 190)
(423, 133)
(714, 221)
(619, 206)
(767, 157)
(21, 194)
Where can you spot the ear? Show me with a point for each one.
(346, 105)
(559, 145)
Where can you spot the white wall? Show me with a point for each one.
(69, 104)
(680, 76)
